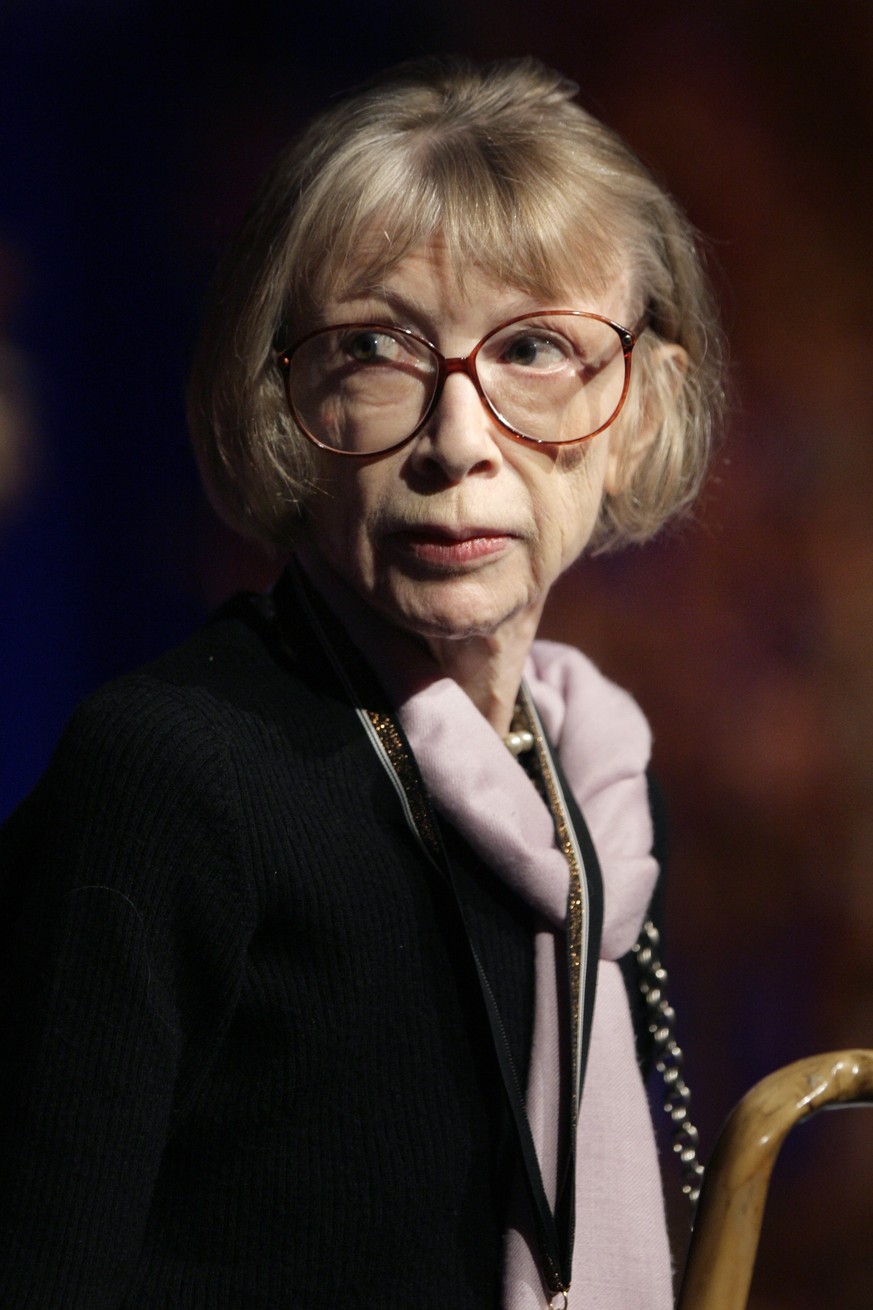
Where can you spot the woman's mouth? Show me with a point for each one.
(443, 549)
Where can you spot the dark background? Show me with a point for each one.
(131, 136)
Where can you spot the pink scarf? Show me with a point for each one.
(621, 1257)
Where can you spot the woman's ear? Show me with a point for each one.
(630, 441)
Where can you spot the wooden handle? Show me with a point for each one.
(721, 1256)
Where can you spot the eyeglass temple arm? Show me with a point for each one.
(721, 1256)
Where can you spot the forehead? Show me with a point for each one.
(437, 266)
(545, 239)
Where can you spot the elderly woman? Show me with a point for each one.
(315, 993)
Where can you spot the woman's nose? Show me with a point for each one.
(460, 436)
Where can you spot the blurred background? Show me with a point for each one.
(131, 137)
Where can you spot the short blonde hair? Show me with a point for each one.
(519, 181)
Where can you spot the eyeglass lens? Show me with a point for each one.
(366, 387)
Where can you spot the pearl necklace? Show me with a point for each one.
(518, 742)
(519, 739)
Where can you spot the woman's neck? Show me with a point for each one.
(490, 668)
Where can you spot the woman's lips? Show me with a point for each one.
(437, 546)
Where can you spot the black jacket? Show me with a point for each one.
(244, 1063)
(245, 1059)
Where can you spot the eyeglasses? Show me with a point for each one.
(552, 377)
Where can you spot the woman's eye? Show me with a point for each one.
(535, 351)
(367, 347)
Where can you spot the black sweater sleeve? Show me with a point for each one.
(117, 976)
(628, 963)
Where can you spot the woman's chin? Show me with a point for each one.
(455, 608)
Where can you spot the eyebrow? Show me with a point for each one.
(373, 294)
(408, 307)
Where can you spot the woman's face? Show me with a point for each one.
(463, 530)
